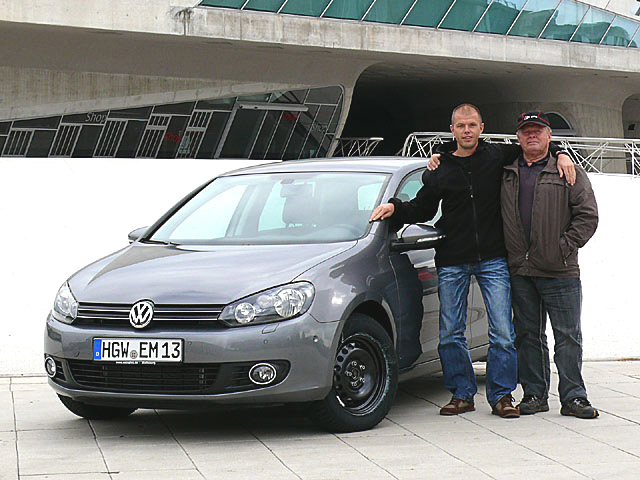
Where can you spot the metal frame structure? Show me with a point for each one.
(356, 146)
(592, 154)
(193, 135)
(65, 140)
(18, 141)
(110, 138)
(152, 138)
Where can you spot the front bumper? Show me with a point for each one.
(303, 345)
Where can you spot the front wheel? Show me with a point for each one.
(94, 412)
(365, 378)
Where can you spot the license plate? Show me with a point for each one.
(137, 350)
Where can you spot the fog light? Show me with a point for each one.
(262, 373)
(50, 366)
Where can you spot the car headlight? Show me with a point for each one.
(65, 306)
(271, 305)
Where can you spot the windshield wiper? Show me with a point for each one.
(158, 242)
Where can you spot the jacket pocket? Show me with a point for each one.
(569, 256)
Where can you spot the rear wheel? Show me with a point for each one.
(365, 378)
(94, 412)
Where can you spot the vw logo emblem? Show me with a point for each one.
(141, 314)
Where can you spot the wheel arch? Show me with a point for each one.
(381, 315)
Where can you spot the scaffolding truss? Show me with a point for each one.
(356, 146)
(600, 155)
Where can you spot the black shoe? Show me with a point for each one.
(531, 404)
(579, 407)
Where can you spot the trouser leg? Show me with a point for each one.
(530, 321)
(562, 298)
(493, 280)
(453, 289)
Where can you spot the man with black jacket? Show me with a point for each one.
(468, 184)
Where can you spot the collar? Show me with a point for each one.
(447, 148)
(540, 163)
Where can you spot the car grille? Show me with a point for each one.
(183, 379)
(164, 315)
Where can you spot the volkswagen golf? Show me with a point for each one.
(264, 285)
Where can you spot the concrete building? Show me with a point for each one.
(269, 79)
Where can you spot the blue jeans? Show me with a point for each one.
(561, 298)
(453, 289)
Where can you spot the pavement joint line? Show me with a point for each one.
(15, 433)
(507, 439)
(35, 475)
(95, 439)
(618, 391)
(162, 421)
(526, 447)
(442, 449)
(584, 434)
(437, 446)
(363, 455)
(273, 453)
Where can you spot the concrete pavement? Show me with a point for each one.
(40, 439)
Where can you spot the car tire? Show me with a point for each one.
(94, 412)
(365, 379)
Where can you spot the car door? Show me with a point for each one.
(420, 273)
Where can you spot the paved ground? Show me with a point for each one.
(39, 439)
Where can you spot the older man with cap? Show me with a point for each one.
(545, 222)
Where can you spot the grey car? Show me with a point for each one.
(264, 285)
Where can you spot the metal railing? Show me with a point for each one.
(356, 146)
(600, 155)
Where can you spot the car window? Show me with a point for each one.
(283, 208)
(409, 188)
(368, 196)
(221, 206)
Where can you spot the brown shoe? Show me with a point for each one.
(505, 409)
(456, 406)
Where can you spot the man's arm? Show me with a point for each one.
(422, 208)
(584, 215)
(508, 152)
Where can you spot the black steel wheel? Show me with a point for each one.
(365, 378)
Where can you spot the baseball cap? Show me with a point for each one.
(534, 116)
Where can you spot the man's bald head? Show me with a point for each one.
(465, 108)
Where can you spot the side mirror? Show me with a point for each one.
(137, 233)
(417, 237)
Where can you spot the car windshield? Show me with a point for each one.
(276, 208)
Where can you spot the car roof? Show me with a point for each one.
(346, 164)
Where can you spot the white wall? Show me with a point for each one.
(57, 215)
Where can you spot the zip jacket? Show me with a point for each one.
(469, 188)
(563, 219)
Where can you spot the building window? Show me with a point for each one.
(17, 143)
(110, 138)
(153, 136)
(65, 140)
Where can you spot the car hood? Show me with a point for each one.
(213, 275)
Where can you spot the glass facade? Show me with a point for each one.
(593, 27)
(278, 125)
(464, 14)
(564, 20)
(305, 7)
(388, 11)
(428, 13)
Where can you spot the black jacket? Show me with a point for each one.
(469, 188)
